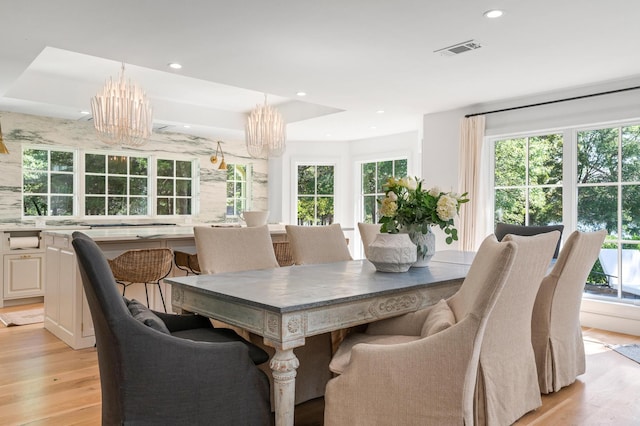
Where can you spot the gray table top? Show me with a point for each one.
(294, 288)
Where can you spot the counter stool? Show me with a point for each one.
(147, 266)
(187, 262)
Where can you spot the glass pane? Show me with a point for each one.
(545, 160)
(369, 178)
(241, 172)
(510, 162)
(117, 206)
(597, 209)
(183, 188)
(183, 169)
(164, 206)
(138, 166)
(165, 168)
(94, 184)
(631, 213)
(94, 206)
(94, 163)
(61, 161)
(230, 210)
(35, 205)
(325, 210)
(230, 186)
(35, 182)
(306, 211)
(61, 205)
(61, 183)
(545, 206)
(240, 206)
(117, 185)
(400, 167)
(325, 180)
(137, 206)
(630, 272)
(369, 209)
(165, 187)
(138, 186)
(598, 156)
(231, 172)
(239, 190)
(385, 171)
(510, 206)
(35, 159)
(183, 206)
(117, 165)
(306, 180)
(631, 154)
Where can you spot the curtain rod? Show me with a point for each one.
(553, 102)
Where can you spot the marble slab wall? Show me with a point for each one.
(20, 130)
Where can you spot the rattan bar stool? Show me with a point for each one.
(147, 266)
(187, 262)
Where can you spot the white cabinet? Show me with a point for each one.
(23, 275)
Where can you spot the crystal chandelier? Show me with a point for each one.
(121, 113)
(265, 132)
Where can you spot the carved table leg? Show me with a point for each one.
(283, 366)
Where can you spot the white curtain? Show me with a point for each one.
(470, 161)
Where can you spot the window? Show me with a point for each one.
(48, 182)
(174, 187)
(608, 185)
(315, 197)
(595, 176)
(528, 180)
(373, 176)
(116, 185)
(238, 176)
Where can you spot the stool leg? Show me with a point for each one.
(147, 293)
(162, 297)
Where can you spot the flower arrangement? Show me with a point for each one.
(407, 205)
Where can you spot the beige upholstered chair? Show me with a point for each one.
(555, 325)
(317, 244)
(242, 249)
(421, 368)
(234, 249)
(368, 232)
(427, 371)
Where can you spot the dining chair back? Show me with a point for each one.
(556, 334)
(368, 233)
(317, 244)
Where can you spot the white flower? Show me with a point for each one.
(412, 184)
(434, 192)
(447, 207)
(389, 207)
(392, 195)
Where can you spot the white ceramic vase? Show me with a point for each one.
(425, 244)
(392, 252)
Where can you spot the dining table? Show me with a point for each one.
(286, 305)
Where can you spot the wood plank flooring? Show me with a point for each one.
(44, 382)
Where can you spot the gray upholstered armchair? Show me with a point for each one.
(167, 369)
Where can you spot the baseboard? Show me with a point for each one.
(612, 316)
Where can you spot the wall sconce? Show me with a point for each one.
(220, 154)
(3, 147)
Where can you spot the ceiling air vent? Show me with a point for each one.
(456, 49)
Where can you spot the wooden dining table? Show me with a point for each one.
(286, 305)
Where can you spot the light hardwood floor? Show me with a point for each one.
(44, 382)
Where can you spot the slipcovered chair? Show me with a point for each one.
(457, 362)
(503, 229)
(555, 326)
(234, 249)
(317, 244)
(368, 232)
(158, 368)
(243, 249)
(187, 262)
(421, 368)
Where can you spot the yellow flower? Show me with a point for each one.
(389, 207)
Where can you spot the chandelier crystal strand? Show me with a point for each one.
(265, 132)
(122, 114)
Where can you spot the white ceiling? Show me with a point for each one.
(352, 57)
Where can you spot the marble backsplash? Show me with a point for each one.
(20, 130)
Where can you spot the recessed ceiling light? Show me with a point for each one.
(373, 127)
(175, 65)
(301, 93)
(85, 112)
(380, 111)
(494, 13)
(187, 126)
